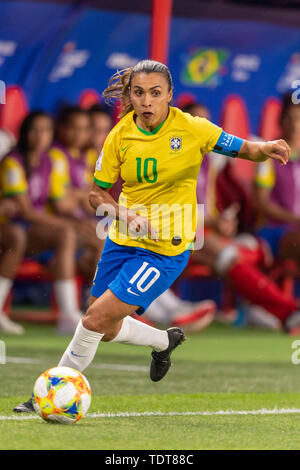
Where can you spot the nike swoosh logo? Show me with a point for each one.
(124, 148)
(131, 292)
(76, 355)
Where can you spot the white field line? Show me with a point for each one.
(263, 411)
(117, 367)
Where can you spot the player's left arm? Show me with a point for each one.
(232, 146)
(213, 138)
(261, 151)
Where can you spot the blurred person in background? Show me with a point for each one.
(28, 178)
(170, 310)
(101, 125)
(69, 154)
(278, 191)
(239, 258)
(12, 248)
(7, 142)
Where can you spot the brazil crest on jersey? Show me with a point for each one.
(160, 170)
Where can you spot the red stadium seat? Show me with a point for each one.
(89, 97)
(116, 112)
(14, 110)
(184, 99)
(235, 120)
(33, 271)
(269, 125)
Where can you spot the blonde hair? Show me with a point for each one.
(119, 84)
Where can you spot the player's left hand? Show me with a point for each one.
(277, 150)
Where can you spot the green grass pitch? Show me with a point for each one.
(248, 374)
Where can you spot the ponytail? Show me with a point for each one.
(119, 88)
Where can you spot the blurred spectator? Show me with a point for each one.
(101, 124)
(7, 142)
(170, 310)
(197, 109)
(238, 258)
(12, 245)
(278, 190)
(28, 178)
(69, 154)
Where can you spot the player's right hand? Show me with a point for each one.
(139, 225)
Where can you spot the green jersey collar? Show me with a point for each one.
(151, 132)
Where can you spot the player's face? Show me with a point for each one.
(76, 133)
(150, 97)
(40, 135)
(101, 124)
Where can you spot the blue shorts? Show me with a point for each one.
(272, 235)
(135, 275)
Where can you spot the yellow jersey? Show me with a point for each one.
(41, 185)
(73, 166)
(160, 170)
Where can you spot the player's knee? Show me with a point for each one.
(97, 320)
(67, 236)
(15, 237)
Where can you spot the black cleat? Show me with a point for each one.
(161, 360)
(26, 407)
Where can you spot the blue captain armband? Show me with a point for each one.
(228, 145)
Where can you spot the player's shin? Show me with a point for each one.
(82, 349)
(135, 332)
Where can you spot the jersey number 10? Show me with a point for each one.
(149, 174)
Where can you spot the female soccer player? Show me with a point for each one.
(158, 151)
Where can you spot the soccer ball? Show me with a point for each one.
(62, 395)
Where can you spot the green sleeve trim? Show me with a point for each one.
(55, 198)
(13, 193)
(263, 185)
(102, 184)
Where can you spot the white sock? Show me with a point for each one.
(5, 286)
(66, 296)
(82, 349)
(135, 332)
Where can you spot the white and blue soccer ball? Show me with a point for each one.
(61, 395)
